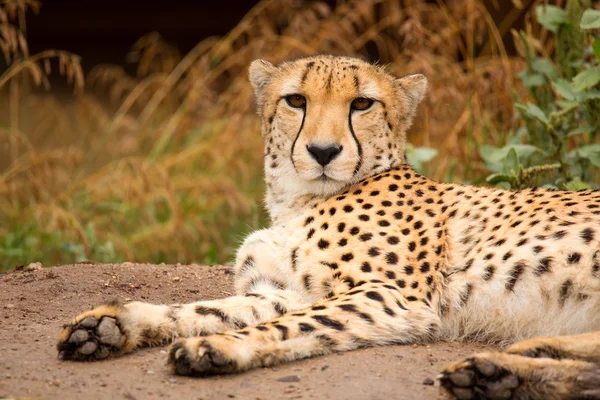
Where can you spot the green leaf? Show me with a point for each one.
(596, 48)
(497, 178)
(551, 17)
(533, 111)
(581, 130)
(494, 154)
(545, 67)
(511, 163)
(590, 19)
(416, 156)
(563, 88)
(532, 79)
(576, 184)
(425, 154)
(590, 94)
(586, 79)
(590, 152)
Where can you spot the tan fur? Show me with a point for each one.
(365, 251)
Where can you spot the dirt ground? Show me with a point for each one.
(34, 305)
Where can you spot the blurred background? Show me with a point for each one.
(128, 131)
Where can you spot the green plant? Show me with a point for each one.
(557, 142)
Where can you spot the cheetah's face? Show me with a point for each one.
(331, 121)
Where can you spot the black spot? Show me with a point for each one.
(408, 270)
(283, 330)
(393, 187)
(332, 211)
(374, 251)
(247, 264)
(307, 281)
(364, 217)
(348, 208)
(466, 293)
(389, 311)
(341, 226)
(366, 267)
(347, 257)
(333, 266)
(587, 235)
(201, 310)
(565, 291)
(386, 203)
(342, 242)
(559, 234)
(374, 296)
(383, 223)
(574, 258)
(489, 272)
(418, 225)
(398, 215)
(323, 244)
(366, 237)
(280, 309)
(538, 249)
(543, 266)
(424, 267)
(507, 255)
(375, 193)
(514, 275)
(405, 231)
(390, 275)
(393, 240)
(261, 328)
(354, 231)
(391, 258)
(331, 323)
(347, 307)
(421, 255)
(304, 327)
(310, 233)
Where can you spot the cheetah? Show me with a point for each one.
(365, 251)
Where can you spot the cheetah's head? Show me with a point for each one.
(329, 122)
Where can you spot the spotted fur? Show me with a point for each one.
(365, 251)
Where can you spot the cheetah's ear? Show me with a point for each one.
(414, 86)
(260, 73)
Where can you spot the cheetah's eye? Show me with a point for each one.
(361, 103)
(296, 100)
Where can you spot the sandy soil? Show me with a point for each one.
(34, 305)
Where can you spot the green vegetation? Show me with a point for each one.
(557, 143)
(166, 165)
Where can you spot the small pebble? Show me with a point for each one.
(290, 378)
(428, 382)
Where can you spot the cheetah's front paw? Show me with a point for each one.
(478, 378)
(509, 376)
(93, 335)
(215, 354)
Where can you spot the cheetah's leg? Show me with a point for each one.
(367, 316)
(584, 347)
(509, 376)
(116, 329)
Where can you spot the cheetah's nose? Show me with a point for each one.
(324, 155)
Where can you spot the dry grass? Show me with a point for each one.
(166, 165)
